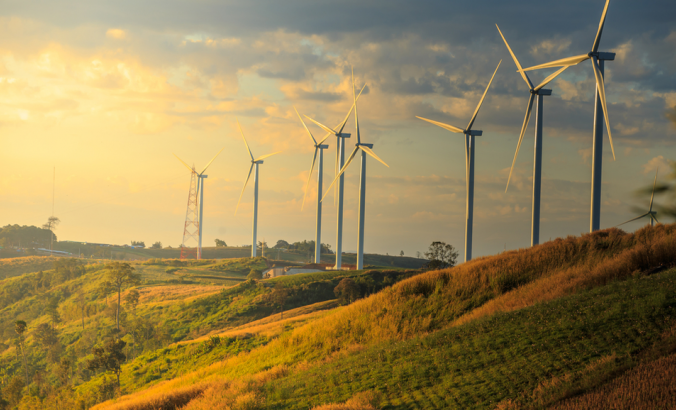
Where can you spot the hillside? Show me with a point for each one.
(569, 322)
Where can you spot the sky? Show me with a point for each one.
(105, 93)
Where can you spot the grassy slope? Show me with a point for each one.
(409, 341)
(18, 266)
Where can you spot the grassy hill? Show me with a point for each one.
(567, 324)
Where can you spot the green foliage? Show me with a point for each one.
(281, 244)
(441, 255)
(27, 236)
(138, 243)
(220, 243)
(255, 274)
(109, 358)
(347, 291)
(157, 245)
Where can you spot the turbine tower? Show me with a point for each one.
(365, 149)
(319, 147)
(469, 166)
(650, 214)
(254, 162)
(535, 92)
(193, 216)
(600, 109)
(340, 161)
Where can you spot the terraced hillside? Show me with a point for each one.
(523, 329)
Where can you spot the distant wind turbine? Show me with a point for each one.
(319, 147)
(469, 165)
(650, 214)
(340, 161)
(540, 92)
(365, 149)
(200, 192)
(255, 162)
(600, 109)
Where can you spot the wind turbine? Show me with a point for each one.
(540, 92)
(650, 214)
(199, 192)
(319, 147)
(340, 161)
(469, 165)
(365, 149)
(600, 109)
(255, 162)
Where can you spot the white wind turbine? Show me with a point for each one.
(540, 92)
(200, 192)
(340, 161)
(254, 162)
(469, 165)
(365, 149)
(319, 147)
(650, 214)
(600, 109)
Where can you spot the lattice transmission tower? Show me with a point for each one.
(191, 231)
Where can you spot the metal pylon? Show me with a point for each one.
(191, 231)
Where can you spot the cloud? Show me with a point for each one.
(116, 33)
(658, 162)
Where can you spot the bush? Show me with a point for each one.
(255, 274)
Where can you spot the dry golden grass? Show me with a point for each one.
(368, 400)
(436, 300)
(273, 325)
(18, 266)
(648, 386)
(166, 400)
(185, 293)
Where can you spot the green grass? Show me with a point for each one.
(484, 362)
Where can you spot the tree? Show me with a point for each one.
(13, 391)
(220, 243)
(441, 255)
(50, 225)
(417, 254)
(255, 274)
(157, 245)
(282, 244)
(119, 275)
(138, 243)
(45, 335)
(401, 253)
(132, 297)
(109, 358)
(20, 328)
(81, 303)
(279, 295)
(52, 310)
(347, 291)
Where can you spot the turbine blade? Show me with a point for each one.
(551, 77)
(356, 113)
(523, 132)
(245, 143)
(471, 122)
(373, 154)
(266, 156)
(323, 139)
(655, 218)
(244, 187)
(347, 163)
(183, 162)
(653, 194)
(335, 172)
(212, 160)
(602, 95)
(322, 126)
(516, 61)
(632, 220)
(442, 125)
(306, 129)
(354, 105)
(568, 61)
(597, 39)
(307, 185)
